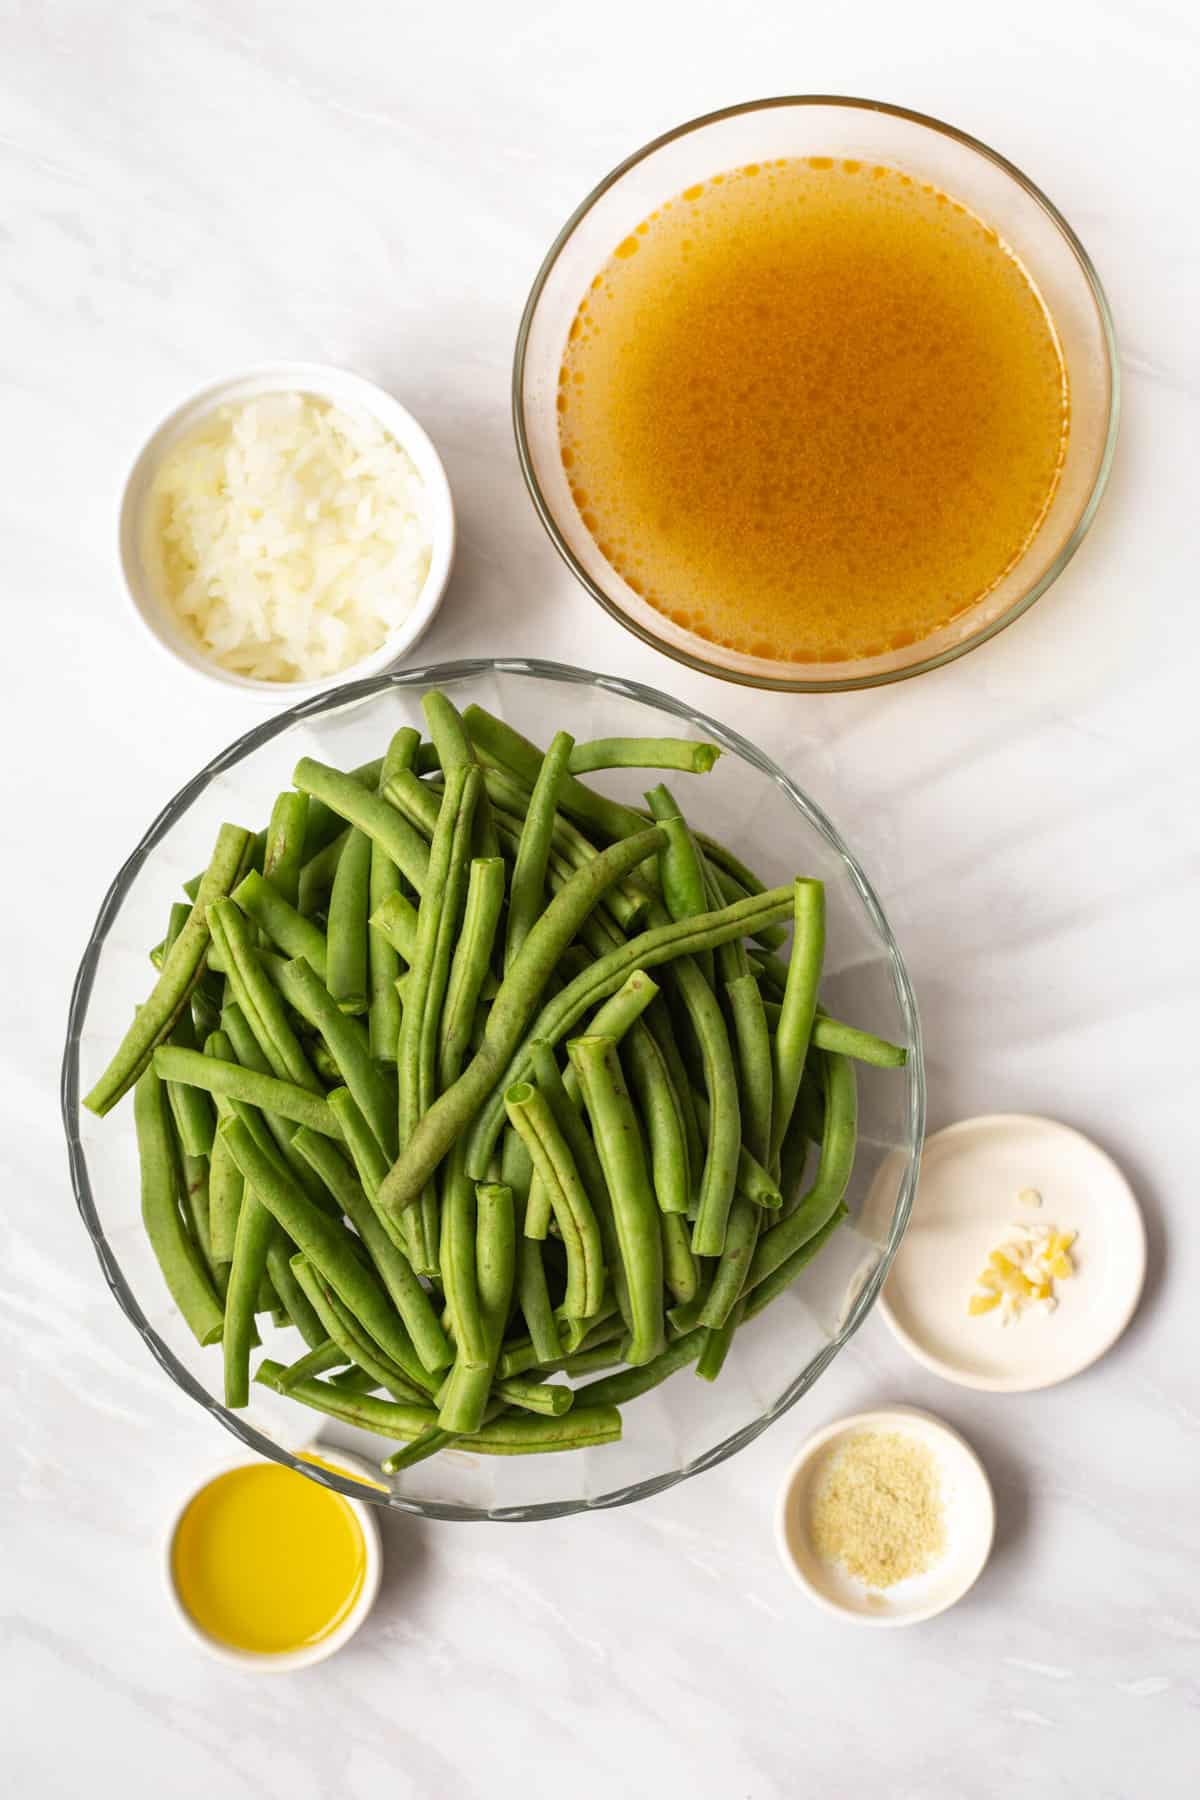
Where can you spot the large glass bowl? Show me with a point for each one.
(824, 125)
(686, 1424)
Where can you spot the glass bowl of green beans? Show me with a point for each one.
(665, 1368)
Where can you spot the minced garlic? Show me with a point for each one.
(877, 1508)
(1022, 1270)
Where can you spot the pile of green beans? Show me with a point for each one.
(474, 1077)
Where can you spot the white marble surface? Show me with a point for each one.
(189, 188)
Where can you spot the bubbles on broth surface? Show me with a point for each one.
(816, 408)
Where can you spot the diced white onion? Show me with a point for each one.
(288, 537)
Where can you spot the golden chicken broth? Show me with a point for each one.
(812, 410)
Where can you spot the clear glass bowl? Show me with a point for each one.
(827, 126)
(686, 1424)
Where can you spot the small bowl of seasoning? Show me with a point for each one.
(886, 1518)
(270, 1570)
(287, 529)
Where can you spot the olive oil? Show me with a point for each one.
(813, 409)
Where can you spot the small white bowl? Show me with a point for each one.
(284, 1661)
(341, 388)
(970, 1514)
(971, 1175)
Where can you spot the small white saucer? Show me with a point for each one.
(971, 1175)
(968, 1506)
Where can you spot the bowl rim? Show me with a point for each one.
(338, 386)
(833, 683)
(348, 696)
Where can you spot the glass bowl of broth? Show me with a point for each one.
(816, 393)
(683, 1426)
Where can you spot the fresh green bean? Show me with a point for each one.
(258, 999)
(510, 799)
(371, 1165)
(383, 957)
(686, 1316)
(635, 1211)
(658, 1024)
(323, 823)
(718, 1180)
(181, 970)
(499, 743)
(284, 851)
(294, 1306)
(252, 1239)
(591, 1362)
(799, 1003)
(661, 1115)
(564, 1010)
(530, 1113)
(615, 1390)
(520, 1355)
(371, 813)
(346, 926)
(452, 748)
(717, 1341)
(326, 1244)
(681, 1271)
(644, 753)
(428, 978)
(383, 963)
(730, 1277)
(469, 967)
(536, 1396)
(832, 1178)
(178, 917)
(224, 1200)
(615, 1019)
(193, 1197)
(245, 1049)
(532, 1291)
(252, 858)
(781, 1277)
(752, 1179)
(320, 1361)
(863, 1046)
(771, 937)
(756, 1075)
(463, 1400)
(355, 1344)
(394, 1270)
(401, 754)
(511, 1434)
(347, 1043)
(510, 1014)
(396, 919)
(283, 1097)
(192, 1110)
(793, 1157)
(415, 799)
(392, 1418)
(418, 1450)
(456, 1261)
(284, 925)
(809, 1111)
(527, 887)
(316, 877)
(354, 1381)
(680, 867)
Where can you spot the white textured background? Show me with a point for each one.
(188, 189)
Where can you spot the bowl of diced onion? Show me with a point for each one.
(286, 528)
